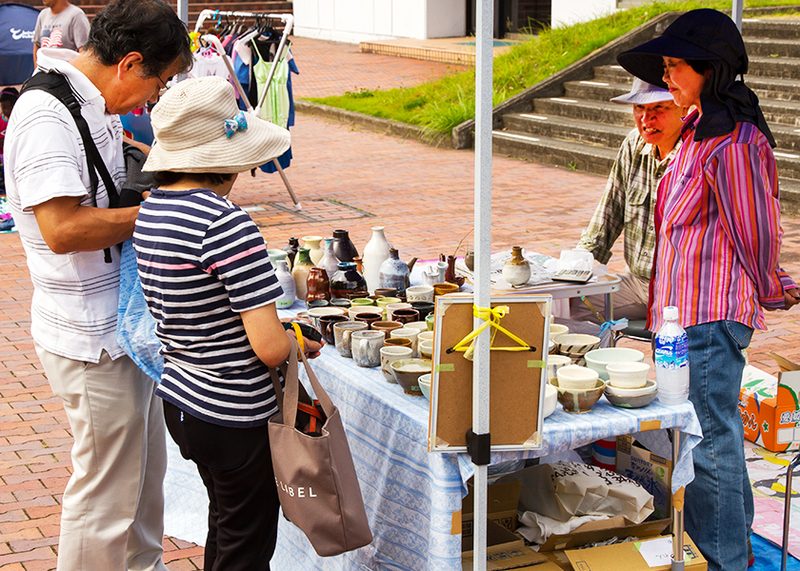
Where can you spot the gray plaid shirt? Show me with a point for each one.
(627, 204)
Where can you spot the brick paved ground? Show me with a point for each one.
(345, 178)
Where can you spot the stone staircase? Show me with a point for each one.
(582, 129)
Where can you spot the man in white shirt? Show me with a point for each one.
(60, 25)
(112, 508)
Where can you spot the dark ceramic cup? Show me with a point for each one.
(405, 315)
(340, 302)
(424, 308)
(398, 342)
(386, 292)
(326, 327)
(368, 318)
(318, 303)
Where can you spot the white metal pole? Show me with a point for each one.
(483, 241)
(736, 13)
(183, 11)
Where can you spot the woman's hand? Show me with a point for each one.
(791, 297)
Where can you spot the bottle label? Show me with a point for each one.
(672, 352)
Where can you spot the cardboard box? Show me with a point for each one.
(629, 556)
(505, 550)
(602, 530)
(653, 472)
(501, 507)
(770, 407)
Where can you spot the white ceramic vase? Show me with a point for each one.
(287, 284)
(312, 243)
(375, 253)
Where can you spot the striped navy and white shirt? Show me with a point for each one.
(202, 261)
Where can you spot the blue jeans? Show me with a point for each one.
(719, 502)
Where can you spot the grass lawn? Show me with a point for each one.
(442, 104)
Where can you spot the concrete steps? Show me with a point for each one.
(582, 130)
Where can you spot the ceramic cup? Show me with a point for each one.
(368, 318)
(407, 333)
(341, 335)
(386, 291)
(425, 348)
(326, 327)
(420, 325)
(444, 288)
(430, 321)
(318, 303)
(340, 302)
(392, 307)
(419, 293)
(405, 315)
(385, 326)
(554, 363)
(382, 302)
(315, 313)
(397, 342)
(425, 336)
(366, 347)
(360, 301)
(391, 353)
(425, 308)
(359, 309)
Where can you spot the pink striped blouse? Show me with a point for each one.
(719, 231)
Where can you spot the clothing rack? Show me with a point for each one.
(288, 21)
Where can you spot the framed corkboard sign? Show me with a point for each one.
(517, 378)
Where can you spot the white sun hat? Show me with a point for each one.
(642, 93)
(199, 128)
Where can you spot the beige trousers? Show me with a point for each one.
(112, 515)
(630, 301)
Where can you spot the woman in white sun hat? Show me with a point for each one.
(209, 284)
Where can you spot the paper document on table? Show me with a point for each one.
(657, 552)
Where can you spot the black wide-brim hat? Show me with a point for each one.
(697, 35)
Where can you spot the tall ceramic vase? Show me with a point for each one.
(287, 284)
(393, 272)
(291, 251)
(315, 252)
(329, 261)
(517, 270)
(375, 253)
(302, 265)
(343, 247)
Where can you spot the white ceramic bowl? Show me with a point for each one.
(425, 335)
(550, 399)
(573, 377)
(627, 375)
(597, 359)
(554, 363)
(425, 348)
(576, 345)
(649, 387)
(557, 329)
(425, 385)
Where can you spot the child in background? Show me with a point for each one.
(211, 288)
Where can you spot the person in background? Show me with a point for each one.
(629, 199)
(211, 289)
(8, 97)
(60, 25)
(719, 234)
(112, 509)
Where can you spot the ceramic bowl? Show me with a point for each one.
(576, 345)
(425, 349)
(626, 401)
(407, 373)
(444, 288)
(314, 313)
(554, 363)
(628, 375)
(551, 347)
(550, 399)
(649, 387)
(557, 329)
(418, 325)
(597, 359)
(574, 377)
(424, 335)
(424, 382)
(579, 400)
(429, 321)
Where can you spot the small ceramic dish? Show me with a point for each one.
(424, 382)
(598, 359)
(574, 377)
(630, 401)
(407, 373)
(628, 375)
(649, 387)
(579, 400)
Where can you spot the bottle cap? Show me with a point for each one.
(671, 313)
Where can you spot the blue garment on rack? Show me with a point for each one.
(242, 71)
(286, 158)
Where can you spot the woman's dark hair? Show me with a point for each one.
(149, 27)
(169, 177)
(9, 94)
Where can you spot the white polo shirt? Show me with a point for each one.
(75, 296)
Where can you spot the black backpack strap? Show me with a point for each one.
(57, 85)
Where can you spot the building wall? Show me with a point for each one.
(567, 12)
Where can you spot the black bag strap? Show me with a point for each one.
(57, 85)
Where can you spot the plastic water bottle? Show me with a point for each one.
(672, 359)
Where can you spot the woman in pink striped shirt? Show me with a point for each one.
(718, 243)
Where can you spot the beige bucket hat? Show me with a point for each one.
(198, 128)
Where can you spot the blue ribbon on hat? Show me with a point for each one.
(238, 123)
